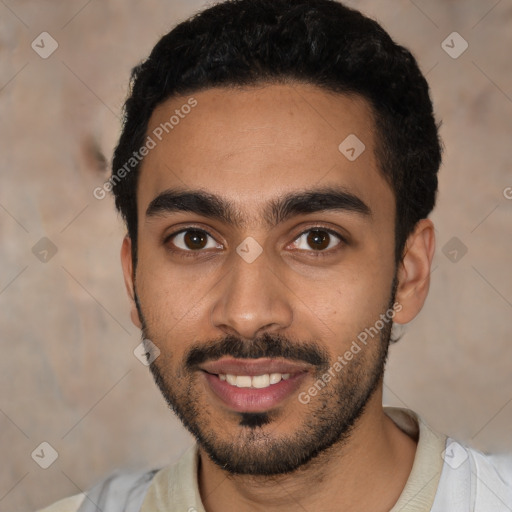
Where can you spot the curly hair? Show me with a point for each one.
(239, 43)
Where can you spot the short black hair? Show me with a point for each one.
(239, 43)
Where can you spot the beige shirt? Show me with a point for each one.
(175, 487)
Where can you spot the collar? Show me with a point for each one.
(175, 487)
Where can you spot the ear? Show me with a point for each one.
(414, 271)
(127, 264)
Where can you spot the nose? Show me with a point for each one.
(252, 299)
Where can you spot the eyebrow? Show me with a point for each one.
(277, 210)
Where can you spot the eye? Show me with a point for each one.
(318, 239)
(193, 240)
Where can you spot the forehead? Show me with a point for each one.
(253, 144)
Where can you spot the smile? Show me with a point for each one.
(253, 385)
(256, 381)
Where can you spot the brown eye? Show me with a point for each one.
(317, 240)
(193, 240)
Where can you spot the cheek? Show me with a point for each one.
(169, 295)
(173, 307)
(355, 302)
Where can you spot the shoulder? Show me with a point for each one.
(119, 492)
(487, 467)
(473, 480)
(502, 464)
(71, 504)
(493, 471)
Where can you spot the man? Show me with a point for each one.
(276, 170)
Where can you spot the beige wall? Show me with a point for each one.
(67, 369)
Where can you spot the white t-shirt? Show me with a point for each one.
(446, 476)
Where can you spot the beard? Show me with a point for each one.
(256, 448)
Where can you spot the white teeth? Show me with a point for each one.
(261, 381)
(275, 378)
(257, 381)
(243, 381)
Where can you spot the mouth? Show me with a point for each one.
(256, 381)
(253, 385)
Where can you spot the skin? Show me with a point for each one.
(251, 146)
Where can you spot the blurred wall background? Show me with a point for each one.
(68, 374)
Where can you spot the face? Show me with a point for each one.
(263, 253)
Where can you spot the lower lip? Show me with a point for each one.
(254, 399)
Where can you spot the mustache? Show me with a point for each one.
(268, 346)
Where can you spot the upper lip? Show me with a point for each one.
(253, 367)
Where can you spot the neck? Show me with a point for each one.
(366, 472)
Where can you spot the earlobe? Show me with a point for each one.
(414, 271)
(127, 264)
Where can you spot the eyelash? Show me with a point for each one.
(316, 254)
